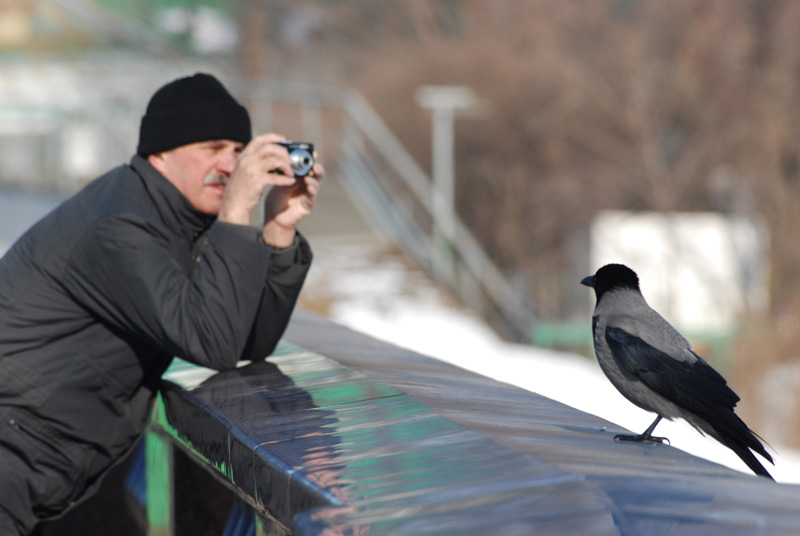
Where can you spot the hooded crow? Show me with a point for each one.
(654, 367)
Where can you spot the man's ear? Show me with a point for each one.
(157, 161)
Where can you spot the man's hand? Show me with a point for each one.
(254, 172)
(285, 206)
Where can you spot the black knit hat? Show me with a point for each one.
(192, 109)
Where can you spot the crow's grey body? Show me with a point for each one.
(637, 317)
(654, 367)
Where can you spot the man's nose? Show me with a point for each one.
(227, 163)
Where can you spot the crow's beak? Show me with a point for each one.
(588, 281)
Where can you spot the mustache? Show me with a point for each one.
(216, 178)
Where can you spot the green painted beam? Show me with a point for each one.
(158, 474)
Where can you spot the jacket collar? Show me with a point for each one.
(177, 211)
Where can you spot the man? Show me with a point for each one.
(153, 260)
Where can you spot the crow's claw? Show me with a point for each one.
(641, 438)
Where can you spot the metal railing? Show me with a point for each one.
(347, 435)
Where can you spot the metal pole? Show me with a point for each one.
(444, 172)
(444, 102)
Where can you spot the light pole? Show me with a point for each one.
(444, 103)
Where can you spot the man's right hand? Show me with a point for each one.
(256, 169)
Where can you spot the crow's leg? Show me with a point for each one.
(646, 437)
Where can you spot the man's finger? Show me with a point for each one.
(317, 171)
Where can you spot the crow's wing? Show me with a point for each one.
(694, 386)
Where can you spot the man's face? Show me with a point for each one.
(200, 170)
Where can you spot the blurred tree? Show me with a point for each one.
(253, 28)
(607, 104)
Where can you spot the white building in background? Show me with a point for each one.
(67, 115)
(701, 271)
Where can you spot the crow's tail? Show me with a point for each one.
(751, 461)
(734, 434)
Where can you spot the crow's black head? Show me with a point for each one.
(612, 276)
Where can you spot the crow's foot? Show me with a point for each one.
(641, 438)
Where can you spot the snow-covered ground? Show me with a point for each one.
(376, 292)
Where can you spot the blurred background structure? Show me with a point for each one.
(682, 118)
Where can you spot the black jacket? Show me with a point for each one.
(96, 299)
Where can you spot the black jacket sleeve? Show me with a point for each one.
(286, 274)
(132, 275)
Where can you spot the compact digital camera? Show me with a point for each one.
(301, 155)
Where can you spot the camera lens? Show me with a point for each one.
(302, 162)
